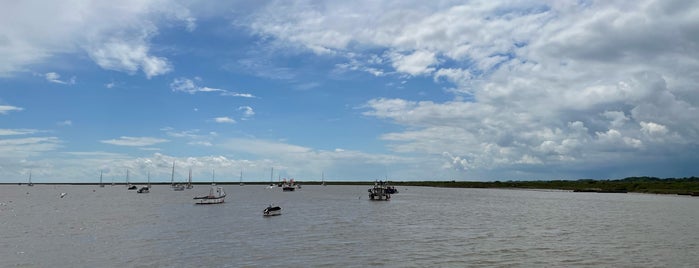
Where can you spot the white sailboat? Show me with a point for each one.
(129, 186)
(101, 184)
(241, 178)
(175, 187)
(189, 181)
(322, 180)
(30, 179)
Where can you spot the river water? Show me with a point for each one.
(337, 226)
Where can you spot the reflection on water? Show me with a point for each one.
(339, 226)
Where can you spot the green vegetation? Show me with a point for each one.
(654, 185)
(682, 186)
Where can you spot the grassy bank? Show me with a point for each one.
(632, 184)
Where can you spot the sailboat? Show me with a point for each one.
(146, 189)
(129, 186)
(101, 184)
(189, 182)
(322, 180)
(175, 187)
(241, 178)
(30, 179)
(271, 178)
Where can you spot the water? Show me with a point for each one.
(337, 226)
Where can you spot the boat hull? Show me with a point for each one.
(209, 201)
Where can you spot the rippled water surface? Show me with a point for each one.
(337, 226)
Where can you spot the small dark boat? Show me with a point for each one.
(132, 187)
(272, 211)
(143, 190)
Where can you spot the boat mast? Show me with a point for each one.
(30, 178)
(189, 182)
(127, 177)
(271, 176)
(172, 177)
(148, 179)
(101, 185)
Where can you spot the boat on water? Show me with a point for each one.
(216, 196)
(289, 186)
(101, 184)
(129, 186)
(145, 189)
(272, 211)
(391, 190)
(189, 181)
(30, 179)
(379, 192)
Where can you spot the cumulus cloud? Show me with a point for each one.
(116, 36)
(134, 141)
(549, 84)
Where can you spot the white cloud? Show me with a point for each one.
(4, 109)
(187, 85)
(418, 63)
(134, 141)
(224, 120)
(129, 56)
(9, 132)
(247, 112)
(116, 36)
(55, 78)
(65, 123)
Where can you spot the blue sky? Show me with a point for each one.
(474, 90)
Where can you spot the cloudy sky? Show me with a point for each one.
(357, 90)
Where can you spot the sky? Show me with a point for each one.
(349, 90)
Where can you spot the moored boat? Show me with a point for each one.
(216, 196)
(379, 192)
(272, 211)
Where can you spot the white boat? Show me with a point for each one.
(379, 192)
(189, 181)
(289, 186)
(272, 211)
(216, 196)
(101, 184)
(241, 178)
(322, 179)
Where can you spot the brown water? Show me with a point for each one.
(336, 226)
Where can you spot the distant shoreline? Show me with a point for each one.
(654, 185)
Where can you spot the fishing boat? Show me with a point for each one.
(288, 186)
(216, 196)
(379, 192)
(272, 211)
